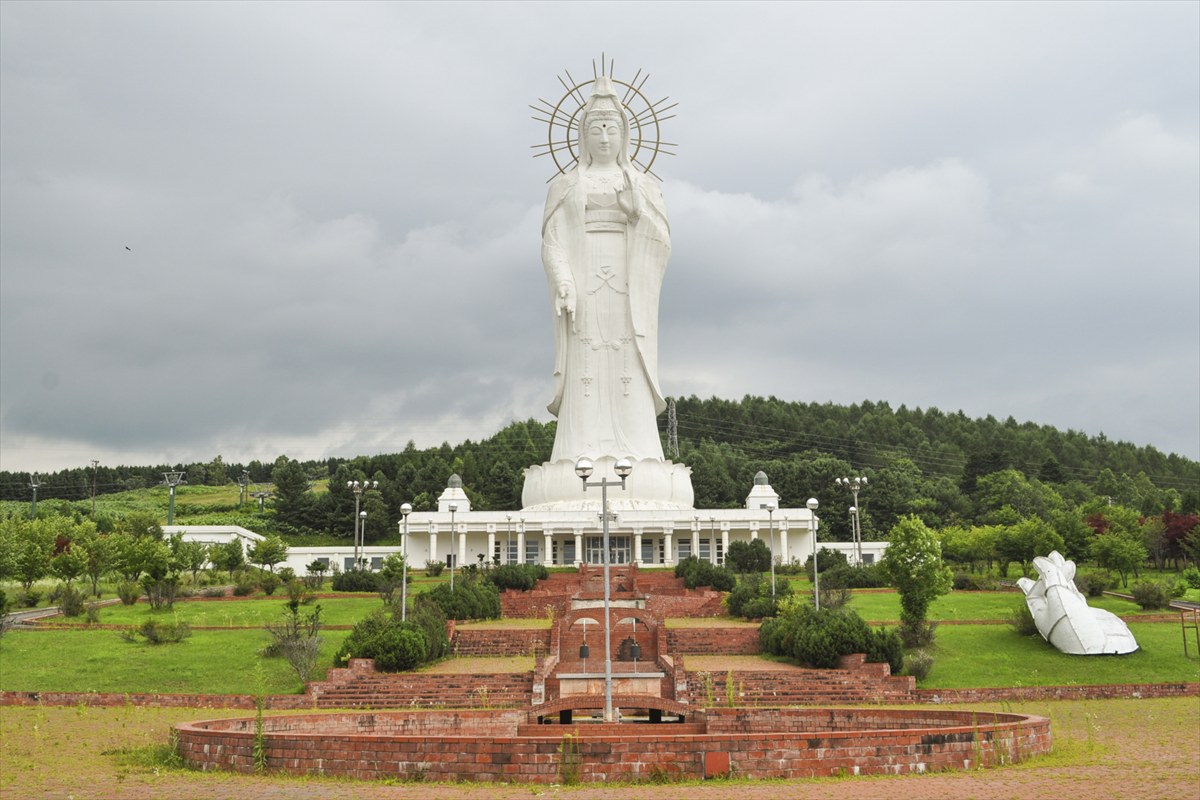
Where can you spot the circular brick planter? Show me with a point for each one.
(503, 746)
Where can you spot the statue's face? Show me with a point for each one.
(603, 137)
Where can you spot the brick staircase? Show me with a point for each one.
(858, 683)
(359, 686)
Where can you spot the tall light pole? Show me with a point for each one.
(95, 469)
(453, 544)
(358, 488)
(812, 528)
(362, 539)
(584, 469)
(172, 479)
(770, 509)
(854, 485)
(508, 540)
(34, 483)
(405, 510)
(243, 482)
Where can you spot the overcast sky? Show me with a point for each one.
(259, 228)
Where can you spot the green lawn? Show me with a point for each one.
(210, 662)
(995, 655)
(885, 606)
(250, 613)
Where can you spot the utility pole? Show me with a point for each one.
(243, 482)
(95, 468)
(171, 480)
(34, 483)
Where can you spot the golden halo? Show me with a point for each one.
(645, 120)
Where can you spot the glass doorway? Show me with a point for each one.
(620, 549)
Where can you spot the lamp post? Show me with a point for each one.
(770, 509)
(358, 489)
(243, 482)
(405, 510)
(34, 483)
(453, 508)
(812, 528)
(508, 540)
(172, 479)
(584, 469)
(854, 485)
(362, 539)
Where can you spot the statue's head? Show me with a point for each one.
(603, 127)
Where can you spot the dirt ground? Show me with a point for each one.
(1118, 749)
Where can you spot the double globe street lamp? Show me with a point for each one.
(359, 516)
(584, 469)
(854, 484)
(405, 510)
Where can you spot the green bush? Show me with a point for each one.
(820, 638)
(697, 572)
(1094, 584)
(396, 646)
(748, 557)
(472, 598)
(826, 560)
(834, 597)
(521, 577)
(1150, 595)
(129, 592)
(355, 580)
(70, 601)
(969, 582)
(434, 568)
(1021, 620)
(751, 597)
(427, 615)
(868, 576)
(29, 598)
(155, 631)
(1191, 576)
(268, 582)
(918, 663)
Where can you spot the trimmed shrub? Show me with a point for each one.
(521, 577)
(396, 646)
(751, 597)
(92, 613)
(472, 598)
(917, 633)
(698, 572)
(245, 585)
(1150, 595)
(834, 598)
(820, 638)
(29, 598)
(434, 568)
(867, 576)
(355, 580)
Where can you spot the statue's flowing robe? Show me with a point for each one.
(581, 372)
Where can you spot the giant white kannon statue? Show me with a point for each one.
(605, 245)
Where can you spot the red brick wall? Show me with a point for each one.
(352, 745)
(494, 642)
(713, 641)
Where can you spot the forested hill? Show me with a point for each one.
(948, 468)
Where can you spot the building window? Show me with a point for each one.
(376, 563)
(348, 564)
(705, 549)
(648, 551)
(569, 552)
(685, 549)
(868, 558)
(531, 551)
(720, 552)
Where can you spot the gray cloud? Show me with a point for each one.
(332, 218)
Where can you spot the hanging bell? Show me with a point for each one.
(584, 652)
(635, 651)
